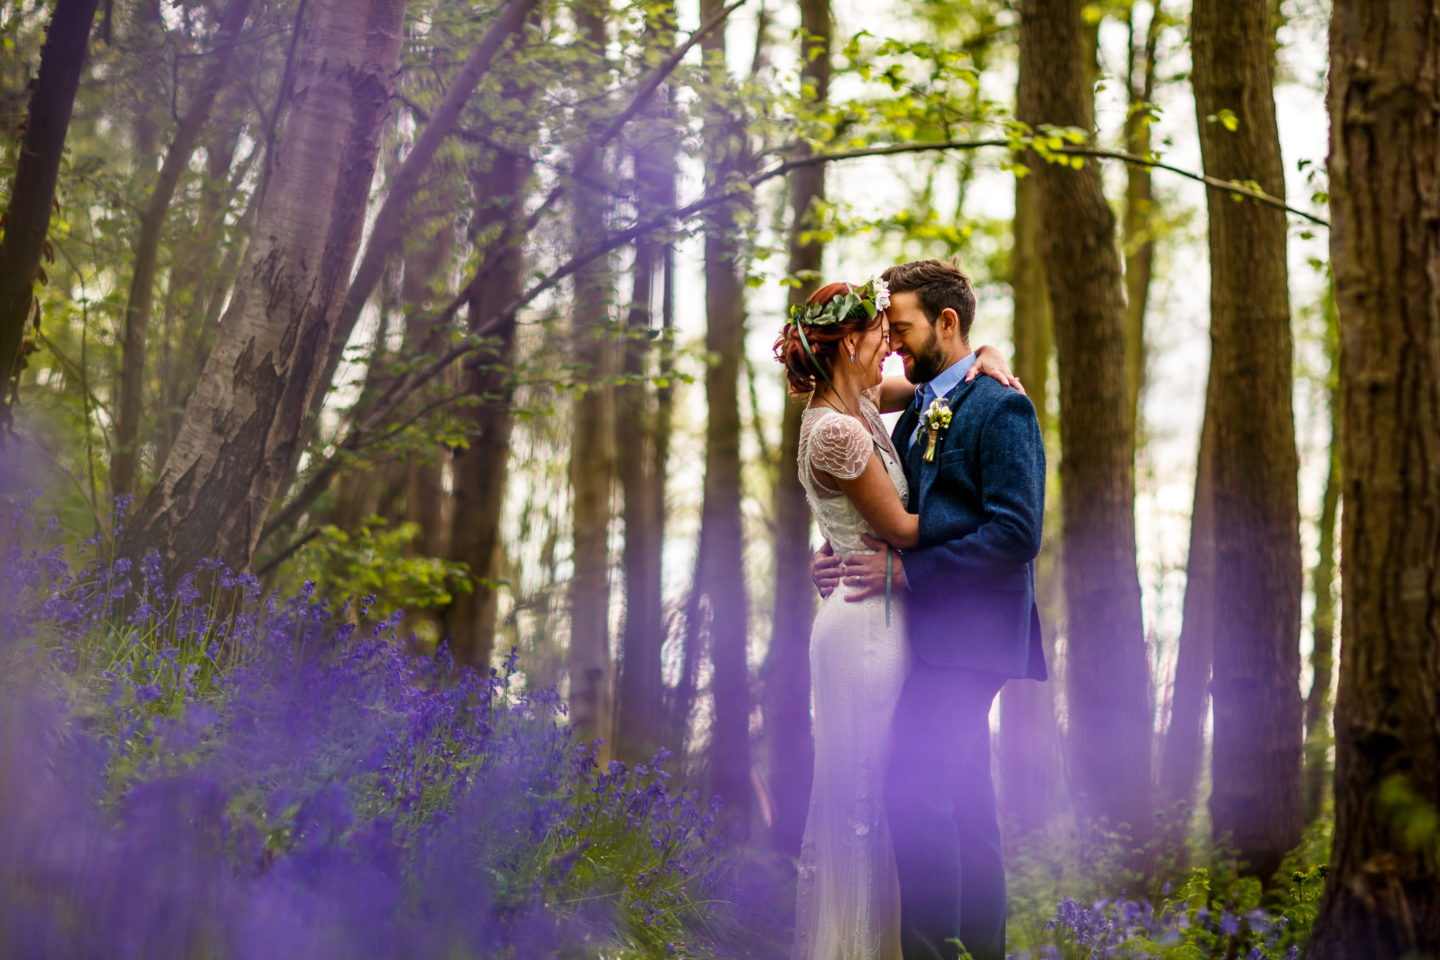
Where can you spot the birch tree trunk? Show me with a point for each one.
(32, 192)
(187, 323)
(243, 423)
(1382, 893)
(1256, 759)
(592, 453)
(141, 299)
(1107, 675)
(787, 714)
(389, 228)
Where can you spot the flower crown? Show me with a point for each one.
(871, 297)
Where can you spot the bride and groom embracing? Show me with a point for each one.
(931, 532)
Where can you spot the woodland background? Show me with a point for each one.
(468, 310)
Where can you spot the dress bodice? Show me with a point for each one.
(840, 444)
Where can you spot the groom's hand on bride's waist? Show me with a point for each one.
(866, 571)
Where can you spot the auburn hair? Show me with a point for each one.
(824, 338)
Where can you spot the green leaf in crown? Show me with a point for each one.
(871, 297)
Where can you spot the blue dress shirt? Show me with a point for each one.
(945, 381)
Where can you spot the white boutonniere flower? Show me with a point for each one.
(936, 418)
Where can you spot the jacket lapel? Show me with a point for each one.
(929, 470)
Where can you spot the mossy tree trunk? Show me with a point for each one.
(1107, 675)
(1256, 758)
(1382, 893)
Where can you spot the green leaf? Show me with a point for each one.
(1225, 118)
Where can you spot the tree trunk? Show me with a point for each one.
(1030, 757)
(1107, 675)
(388, 230)
(426, 501)
(592, 452)
(1256, 751)
(419, 476)
(1139, 218)
(362, 493)
(1318, 704)
(141, 299)
(32, 193)
(720, 573)
(787, 714)
(1382, 893)
(243, 423)
(143, 37)
(1184, 744)
(186, 322)
(481, 468)
(639, 726)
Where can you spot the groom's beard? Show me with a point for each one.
(928, 361)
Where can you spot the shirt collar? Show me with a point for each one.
(949, 378)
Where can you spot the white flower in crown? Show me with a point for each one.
(882, 292)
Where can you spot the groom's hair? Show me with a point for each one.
(937, 284)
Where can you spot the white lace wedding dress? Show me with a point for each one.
(848, 904)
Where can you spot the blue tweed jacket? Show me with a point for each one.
(981, 503)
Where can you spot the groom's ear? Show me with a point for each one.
(948, 322)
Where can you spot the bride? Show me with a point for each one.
(832, 347)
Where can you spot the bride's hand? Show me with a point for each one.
(992, 363)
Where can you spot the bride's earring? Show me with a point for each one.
(852, 356)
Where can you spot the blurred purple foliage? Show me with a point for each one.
(205, 771)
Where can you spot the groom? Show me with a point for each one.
(971, 611)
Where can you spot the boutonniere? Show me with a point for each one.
(936, 418)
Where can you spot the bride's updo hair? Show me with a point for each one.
(824, 340)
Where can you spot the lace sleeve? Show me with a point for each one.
(840, 446)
